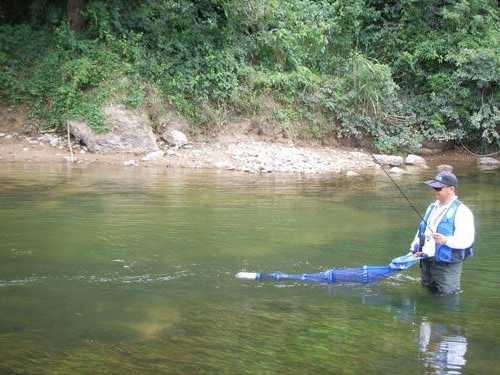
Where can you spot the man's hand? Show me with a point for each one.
(439, 238)
(420, 254)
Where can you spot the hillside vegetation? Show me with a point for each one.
(387, 74)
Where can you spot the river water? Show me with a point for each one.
(131, 271)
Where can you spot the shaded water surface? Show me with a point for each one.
(132, 271)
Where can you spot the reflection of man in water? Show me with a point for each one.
(444, 237)
(443, 348)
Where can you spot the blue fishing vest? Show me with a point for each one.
(446, 227)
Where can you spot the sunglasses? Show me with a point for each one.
(437, 189)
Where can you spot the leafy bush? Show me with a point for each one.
(386, 73)
(68, 78)
(364, 101)
(445, 56)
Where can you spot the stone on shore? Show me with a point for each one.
(488, 161)
(130, 163)
(391, 160)
(130, 132)
(397, 171)
(415, 160)
(175, 138)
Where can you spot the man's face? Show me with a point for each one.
(444, 194)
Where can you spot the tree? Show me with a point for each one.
(74, 10)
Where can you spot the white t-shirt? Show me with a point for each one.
(464, 228)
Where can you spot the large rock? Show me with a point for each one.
(488, 161)
(391, 160)
(175, 138)
(129, 132)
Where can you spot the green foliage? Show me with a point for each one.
(445, 57)
(391, 73)
(486, 120)
(364, 101)
(70, 78)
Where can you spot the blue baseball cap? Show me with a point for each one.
(443, 179)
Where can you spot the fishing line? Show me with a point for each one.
(403, 194)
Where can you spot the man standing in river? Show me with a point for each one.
(445, 237)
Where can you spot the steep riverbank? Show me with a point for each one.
(237, 150)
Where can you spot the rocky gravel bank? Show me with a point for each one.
(250, 156)
(130, 142)
(263, 157)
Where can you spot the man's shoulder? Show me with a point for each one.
(464, 209)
